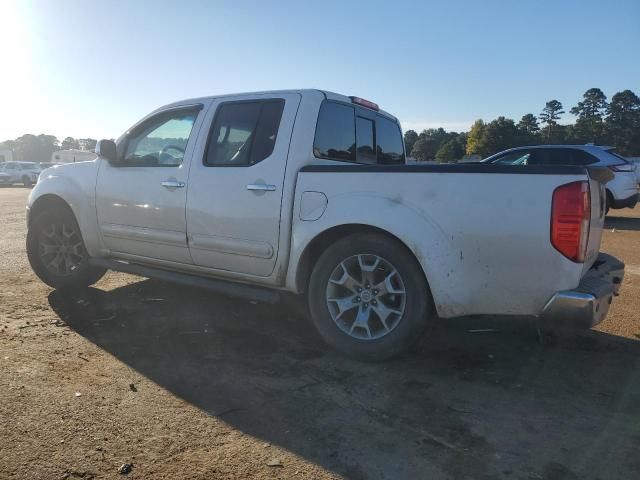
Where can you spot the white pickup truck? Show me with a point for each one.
(307, 192)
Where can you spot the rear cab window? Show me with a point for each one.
(350, 133)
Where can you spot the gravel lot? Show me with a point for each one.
(186, 384)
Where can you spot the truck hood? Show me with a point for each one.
(79, 171)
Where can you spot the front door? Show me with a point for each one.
(140, 200)
(236, 180)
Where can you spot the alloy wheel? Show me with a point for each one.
(366, 296)
(61, 249)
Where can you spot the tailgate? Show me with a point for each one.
(598, 177)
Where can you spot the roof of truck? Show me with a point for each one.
(327, 94)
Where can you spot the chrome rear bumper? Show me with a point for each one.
(588, 304)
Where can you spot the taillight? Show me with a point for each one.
(623, 167)
(570, 218)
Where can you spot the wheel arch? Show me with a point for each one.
(322, 240)
(46, 201)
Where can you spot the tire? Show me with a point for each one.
(26, 181)
(609, 202)
(330, 290)
(56, 251)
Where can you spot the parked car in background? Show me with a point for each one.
(636, 162)
(5, 178)
(22, 172)
(307, 192)
(622, 191)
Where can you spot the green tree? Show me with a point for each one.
(70, 143)
(528, 130)
(623, 122)
(499, 134)
(437, 135)
(35, 148)
(590, 113)
(474, 137)
(450, 151)
(528, 124)
(549, 116)
(410, 138)
(424, 149)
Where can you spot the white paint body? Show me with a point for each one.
(481, 239)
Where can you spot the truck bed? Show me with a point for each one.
(483, 231)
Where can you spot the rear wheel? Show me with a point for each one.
(26, 181)
(368, 297)
(57, 253)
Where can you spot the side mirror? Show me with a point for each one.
(107, 150)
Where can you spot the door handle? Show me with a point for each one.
(261, 186)
(172, 184)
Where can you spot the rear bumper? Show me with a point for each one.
(588, 304)
(628, 202)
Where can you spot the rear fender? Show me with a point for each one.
(419, 233)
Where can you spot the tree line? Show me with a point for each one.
(39, 148)
(598, 121)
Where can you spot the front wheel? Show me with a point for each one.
(57, 253)
(368, 297)
(26, 181)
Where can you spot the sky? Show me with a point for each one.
(92, 68)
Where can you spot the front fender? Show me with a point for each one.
(75, 184)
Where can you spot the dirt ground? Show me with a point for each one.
(186, 384)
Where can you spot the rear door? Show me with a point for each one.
(236, 181)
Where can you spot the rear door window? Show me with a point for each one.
(243, 133)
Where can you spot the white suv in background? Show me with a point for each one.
(20, 172)
(622, 191)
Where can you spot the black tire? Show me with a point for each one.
(609, 202)
(26, 181)
(417, 313)
(78, 276)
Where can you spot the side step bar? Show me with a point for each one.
(232, 289)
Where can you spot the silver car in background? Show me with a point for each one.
(622, 191)
(20, 172)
